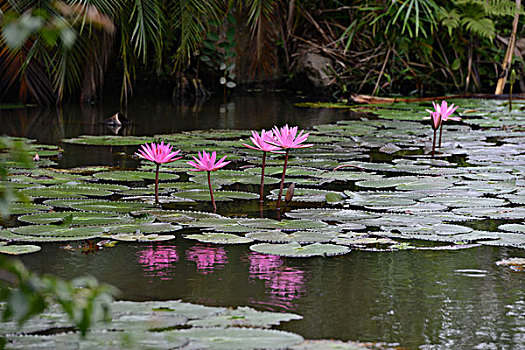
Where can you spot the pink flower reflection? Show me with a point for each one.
(158, 261)
(284, 284)
(207, 258)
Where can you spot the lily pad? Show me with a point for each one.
(58, 231)
(283, 224)
(244, 317)
(239, 338)
(109, 206)
(302, 237)
(18, 249)
(108, 140)
(518, 228)
(18, 208)
(62, 191)
(138, 237)
(218, 195)
(219, 238)
(295, 250)
(337, 215)
(77, 218)
(134, 176)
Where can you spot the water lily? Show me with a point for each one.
(158, 153)
(445, 111)
(260, 143)
(208, 162)
(287, 138)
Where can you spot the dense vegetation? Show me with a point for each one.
(51, 50)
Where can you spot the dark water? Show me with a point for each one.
(417, 299)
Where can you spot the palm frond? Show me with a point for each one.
(190, 19)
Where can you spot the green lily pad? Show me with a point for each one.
(495, 213)
(108, 140)
(218, 195)
(58, 231)
(295, 250)
(283, 224)
(18, 249)
(219, 238)
(145, 227)
(62, 191)
(465, 202)
(336, 215)
(303, 237)
(244, 317)
(95, 340)
(109, 206)
(518, 228)
(177, 216)
(184, 186)
(138, 237)
(78, 218)
(310, 195)
(239, 338)
(18, 208)
(134, 176)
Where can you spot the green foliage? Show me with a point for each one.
(17, 155)
(218, 51)
(26, 294)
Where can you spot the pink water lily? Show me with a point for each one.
(158, 153)
(207, 162)
(261, 141)
(287, 138)
(261, 144)
(445, 111)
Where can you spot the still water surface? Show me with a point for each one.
(416, 299)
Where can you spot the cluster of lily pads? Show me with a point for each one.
(386, 193)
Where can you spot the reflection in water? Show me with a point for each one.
(158, 261)
(284, 284)
(208, 258)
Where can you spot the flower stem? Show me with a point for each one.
(211, 192)
(262, 177)
(157, 185)
(434, 144)
(282, 180)
(440, 133)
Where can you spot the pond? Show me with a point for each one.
(425, 233)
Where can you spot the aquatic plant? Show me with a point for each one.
(158, 153)
(261, 144)
(287, 138)
(445, 111)
(207, 162)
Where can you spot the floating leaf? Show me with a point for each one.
(61, 191)
(218, 195)
(219, 238)
(78, 218)
(518, 228)
(138, 237)
(26, 208)
(18, 249)
(295, 250)
(133, 176)
(244, 317)
(239, 338)
(58, 231)
(283, 224)
(109, 206)
(302, 237)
